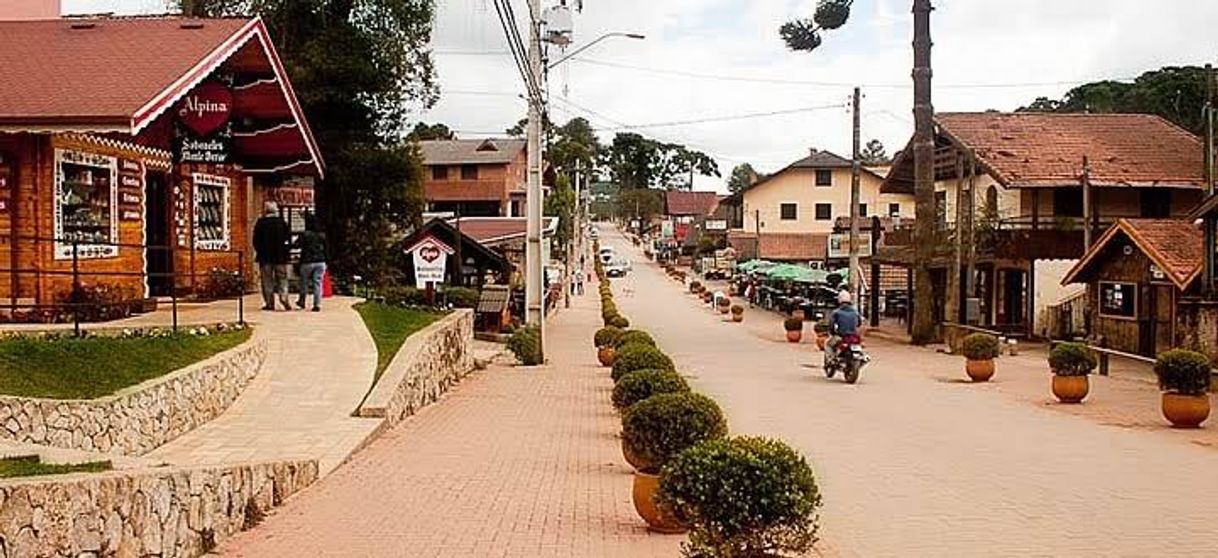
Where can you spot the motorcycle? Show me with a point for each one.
(848, 358)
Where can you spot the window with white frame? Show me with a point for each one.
(212, 211)
(86, 205)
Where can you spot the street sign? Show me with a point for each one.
(430, 261)
(839, 246)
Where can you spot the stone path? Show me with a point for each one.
(317, 371)
(913, 462)
(513, 462)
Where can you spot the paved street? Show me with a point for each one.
(513, 462)
(915, 463)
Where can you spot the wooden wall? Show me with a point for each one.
(1114, 266)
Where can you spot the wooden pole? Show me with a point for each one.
(1087, 209)
(1207, 221)
(953, 274)
(970, 266)
(855, 178)
(923, 330)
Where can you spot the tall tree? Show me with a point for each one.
(923, 323)
(874, 154)
(742, 177)
(359, 67)
(805, 34)
(638, 162)
(561, 203)
(429, 132)
(575, 145)
(1176, 93)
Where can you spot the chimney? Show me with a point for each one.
(812, 151)
(12, 10)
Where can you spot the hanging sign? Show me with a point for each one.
(839, 246)
(430, 261)
(204, 134)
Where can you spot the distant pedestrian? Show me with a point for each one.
(271, 237)
(312, 244)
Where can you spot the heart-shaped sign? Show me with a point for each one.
(429, 253)
(206, 109)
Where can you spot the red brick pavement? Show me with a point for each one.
(515, 462)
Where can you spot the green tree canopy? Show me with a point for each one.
(874, 154)
(1177, 93)
(805, 34)
(561, 203)
(634, 161)
(742, 177)
(641, 203)
(359, 68)
(428, 132)
(575, 145)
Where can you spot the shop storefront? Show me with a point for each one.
(139, 171)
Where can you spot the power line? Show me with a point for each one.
(812, 83)
(714, 119)
(507, 20)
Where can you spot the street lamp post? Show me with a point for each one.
(568, 56)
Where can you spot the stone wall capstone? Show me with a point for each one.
(138, 419)
(149, 513)
(429, 363)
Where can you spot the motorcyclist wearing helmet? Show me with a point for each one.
(843, 323)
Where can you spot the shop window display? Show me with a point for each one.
(85, 205)
(211, 212)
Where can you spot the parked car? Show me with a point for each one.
(607, 255)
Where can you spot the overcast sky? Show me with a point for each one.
(720, 58)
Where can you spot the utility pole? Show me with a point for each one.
(757, 228)
(953, 273)
(534, 295)
(1208, 223)
(923, 323)
(855, 178)
(970, 265)
(1087, 209)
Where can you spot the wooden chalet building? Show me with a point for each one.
(1027, 202)
(140, 150)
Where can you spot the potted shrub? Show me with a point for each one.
(606, 344)
(641, 384)
(737, 313)
(795, 329)
(1184, 378)
(634, 336)
(620, 322)
(821, 330)
(1071, 364)
(725, 304)
(980, 349)
(657, 429)
(638, 356)
(525, 344)
(707, 296)
(773, 506)
(695, 287)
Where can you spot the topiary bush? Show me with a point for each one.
(980, 346)
(525, 343)
(724, 302)
(637, 356)
(635, 336)
(793, 324)
(695, 286)
(1071, 359)
(742, 497)
(462, 297)
(658, 428)
(1183, 372)
(737, 309)
(620, 321)
(641, 384)
(607, 336)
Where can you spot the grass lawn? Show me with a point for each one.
(390, 326)
(31, 466)
(97, 366)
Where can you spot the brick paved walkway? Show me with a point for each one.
(318, 369)
(912, 462)
(513, 462)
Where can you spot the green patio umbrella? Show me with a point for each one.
(755, 265)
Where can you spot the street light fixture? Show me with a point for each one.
(635, 36)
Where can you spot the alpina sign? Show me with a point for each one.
(203, 124)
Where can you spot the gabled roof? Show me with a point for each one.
(1175, 246)
(471, 152)
(106, 75)
(697, 204)
(816, 160)
(1046, 150)
(489, 230)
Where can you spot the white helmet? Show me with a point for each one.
(844, 297)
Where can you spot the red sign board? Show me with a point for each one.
(206, 109)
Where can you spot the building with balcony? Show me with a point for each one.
(789, 215)
(476, 178)
(1027, 193)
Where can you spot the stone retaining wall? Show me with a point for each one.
(163, 513)
(429, 363)
(140, 418)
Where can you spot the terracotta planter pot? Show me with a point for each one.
(737, 318)
(633, 459)
(1071, 389)
(1186, 411)
(795, 336)
(724, 309)
(821, 341)
(606, 355)
(979, 370)
(644, 492)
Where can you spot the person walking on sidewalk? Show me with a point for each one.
(271, 236)
(312, 244)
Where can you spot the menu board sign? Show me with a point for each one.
(1118, 300)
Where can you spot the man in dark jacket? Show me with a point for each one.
(271, 238)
